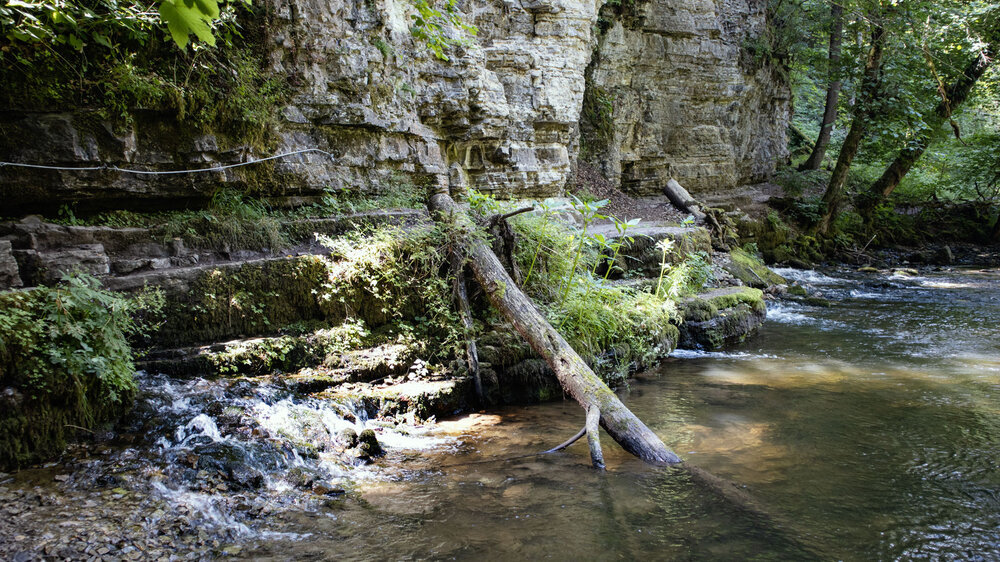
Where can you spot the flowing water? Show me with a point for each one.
(869, 429)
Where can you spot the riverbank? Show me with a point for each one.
(868, 419)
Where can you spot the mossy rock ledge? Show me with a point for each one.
(721, 317)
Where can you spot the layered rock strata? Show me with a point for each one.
(502, 115)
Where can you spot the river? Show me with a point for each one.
(868, 429)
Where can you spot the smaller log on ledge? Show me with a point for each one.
(576, 378)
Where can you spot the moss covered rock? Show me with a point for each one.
(751, 271)
(721, 317)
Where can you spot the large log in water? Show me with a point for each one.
(576, 378)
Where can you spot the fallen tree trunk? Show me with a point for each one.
(682, 199)
(576, 378)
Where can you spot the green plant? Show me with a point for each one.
(548, 209)
(440, 30)
(598, 112)
(665, 246)
(388, 274)
(699, 270)
(384, 47)
(65, 351)
(114, 58)
(623, 239)
(589, 213)
(614, 328)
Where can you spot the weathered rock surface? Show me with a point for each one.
(673, 93)
(503, 114)
(9, 271)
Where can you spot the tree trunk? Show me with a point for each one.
(863, 113)
(576, 378)
(907, 157)
(461, 298)
(833, 90)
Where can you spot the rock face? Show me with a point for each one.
(673, 93)
(503, 114)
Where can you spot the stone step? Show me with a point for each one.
(318, 355)
(42, 252)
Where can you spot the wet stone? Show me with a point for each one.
(368, 444)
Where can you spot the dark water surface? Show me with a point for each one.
(867, 430)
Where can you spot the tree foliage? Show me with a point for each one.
(77, 23)
(930, 45)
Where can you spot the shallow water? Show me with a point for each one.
(866, 430)
(869, 429)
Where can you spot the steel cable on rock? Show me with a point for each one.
(161, 173)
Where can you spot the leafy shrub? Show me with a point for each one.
(65, 361)
(118, 57)
(440, 29)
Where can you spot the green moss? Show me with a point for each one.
(797, 290)
(697, 310)
(751, 271)
(754, 298)
(817, 301)
(732, 326)
(247, 300)
(379, 277)
(706, 307)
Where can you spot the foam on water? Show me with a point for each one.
(699, 354)
(785, 313)
(203, 506)
(808, 276)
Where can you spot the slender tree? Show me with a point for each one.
(833, 89)
(863, 113)
(951, 98)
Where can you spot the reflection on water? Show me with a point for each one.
(867, 430)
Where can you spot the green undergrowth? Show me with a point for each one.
(397, 192)
(66, 361)
(231, 221)
(614, 328)
(234, 220)
(946, 198)
(116, 58)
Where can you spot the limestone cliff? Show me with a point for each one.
(503, 114)
(672, 92)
